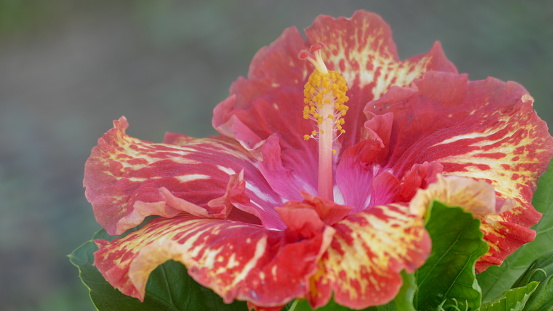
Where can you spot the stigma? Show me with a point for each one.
(325, 98)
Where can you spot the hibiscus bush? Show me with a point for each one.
(342, 178)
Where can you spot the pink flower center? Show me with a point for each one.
(325, 98)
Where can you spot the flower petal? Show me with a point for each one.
(361, 48)
(369, 249)
(480, 129)
(270, 101)
(127, 179)
(282, 179)
(327, 211)
(359, 180)
(418, 177)
(485, 130)
(364, 181)
(474, 196)
(504, 236)
(268, 118)
(237, 260)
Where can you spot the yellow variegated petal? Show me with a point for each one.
(369, 249)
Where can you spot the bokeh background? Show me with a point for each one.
(68, 68)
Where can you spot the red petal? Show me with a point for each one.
(236, 260)
(361, 181)
(485, 130)
(369, 249)
(503, 237)
(362, 49)
(283, 180)
(418, 177)
(289, 162)
(270, 101)
(379, 128)
(325, 210)
(128, 179)
(302, 221)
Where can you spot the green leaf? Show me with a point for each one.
(448, 277)
(538, 271)
(497, 279)
(169, 287)
(402, 302)
(511, 300)
(542, 298)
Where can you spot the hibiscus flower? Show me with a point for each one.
(318, 182)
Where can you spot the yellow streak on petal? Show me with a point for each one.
(191, 177)
(260, 249)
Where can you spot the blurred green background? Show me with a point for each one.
(68, 68)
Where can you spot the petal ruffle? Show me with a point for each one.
(474, 196)
(127, 179)
(236, 260)
(486, 130)
(369, 249)
(503, 236)
(270, 100)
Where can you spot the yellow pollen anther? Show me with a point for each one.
(325, 98)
